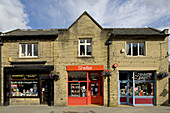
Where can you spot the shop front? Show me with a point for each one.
(137, 87)
(28, 85)
(84, 85)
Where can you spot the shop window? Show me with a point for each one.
(28, 50)
(144, 76)
(77, 89)
(77, 76)
(135, 49)
(144, 84)
(85, 47)
(144, 89)
(24, 86)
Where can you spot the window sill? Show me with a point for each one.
(85, 57)
(135, 56)
(29, 57)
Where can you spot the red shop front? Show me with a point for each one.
(84, 84)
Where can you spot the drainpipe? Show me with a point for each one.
(1, 44)
(108, 66)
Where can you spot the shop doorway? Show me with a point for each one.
(85, 88)
(96, 88)
(44, 91)
(126, 88)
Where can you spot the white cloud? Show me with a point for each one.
(120, 13)
(12, 15)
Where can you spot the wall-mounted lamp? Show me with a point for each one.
(122, 50)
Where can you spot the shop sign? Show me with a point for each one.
(31, 76)
(85, 67)
(17, 76)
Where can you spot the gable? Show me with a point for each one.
(82, 16)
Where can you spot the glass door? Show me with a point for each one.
(125, 88)
(96, 88)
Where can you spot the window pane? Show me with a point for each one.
(35, 50)
(29, 49)
(23, 53)
(135, 49)
(123, 76)
(24, 88)
(94, 89)
(144, 76)
(141, 48)
(144, 89)
(77, 76)
(123, 88)
(82, 41)
(77, 89)
(88, 40)
(89, 48)
(82, 50)
(128, 48)
(94, 76)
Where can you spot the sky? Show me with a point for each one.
(48, 14)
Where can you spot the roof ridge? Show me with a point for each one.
(155, 29)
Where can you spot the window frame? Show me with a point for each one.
(26, 50)
(85, 44)
(137, 49)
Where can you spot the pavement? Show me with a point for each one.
(83, 109)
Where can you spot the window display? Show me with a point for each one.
(144, 89)
(78, 89)
(144, 84)
(24, 85)
(24, 88)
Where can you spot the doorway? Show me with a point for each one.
(96, 88)
(126, 88)
(44, 91)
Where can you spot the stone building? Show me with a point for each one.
(136, 56)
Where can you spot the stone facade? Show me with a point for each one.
(64, 51)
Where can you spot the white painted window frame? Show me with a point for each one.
(85, 44)
(138, 49)
(26, 50)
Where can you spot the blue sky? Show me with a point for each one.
(42, 14)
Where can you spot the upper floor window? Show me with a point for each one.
(135, 49)
(85, 47)
(28, 50)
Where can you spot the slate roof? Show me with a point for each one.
(136, 31)
(37, 32)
